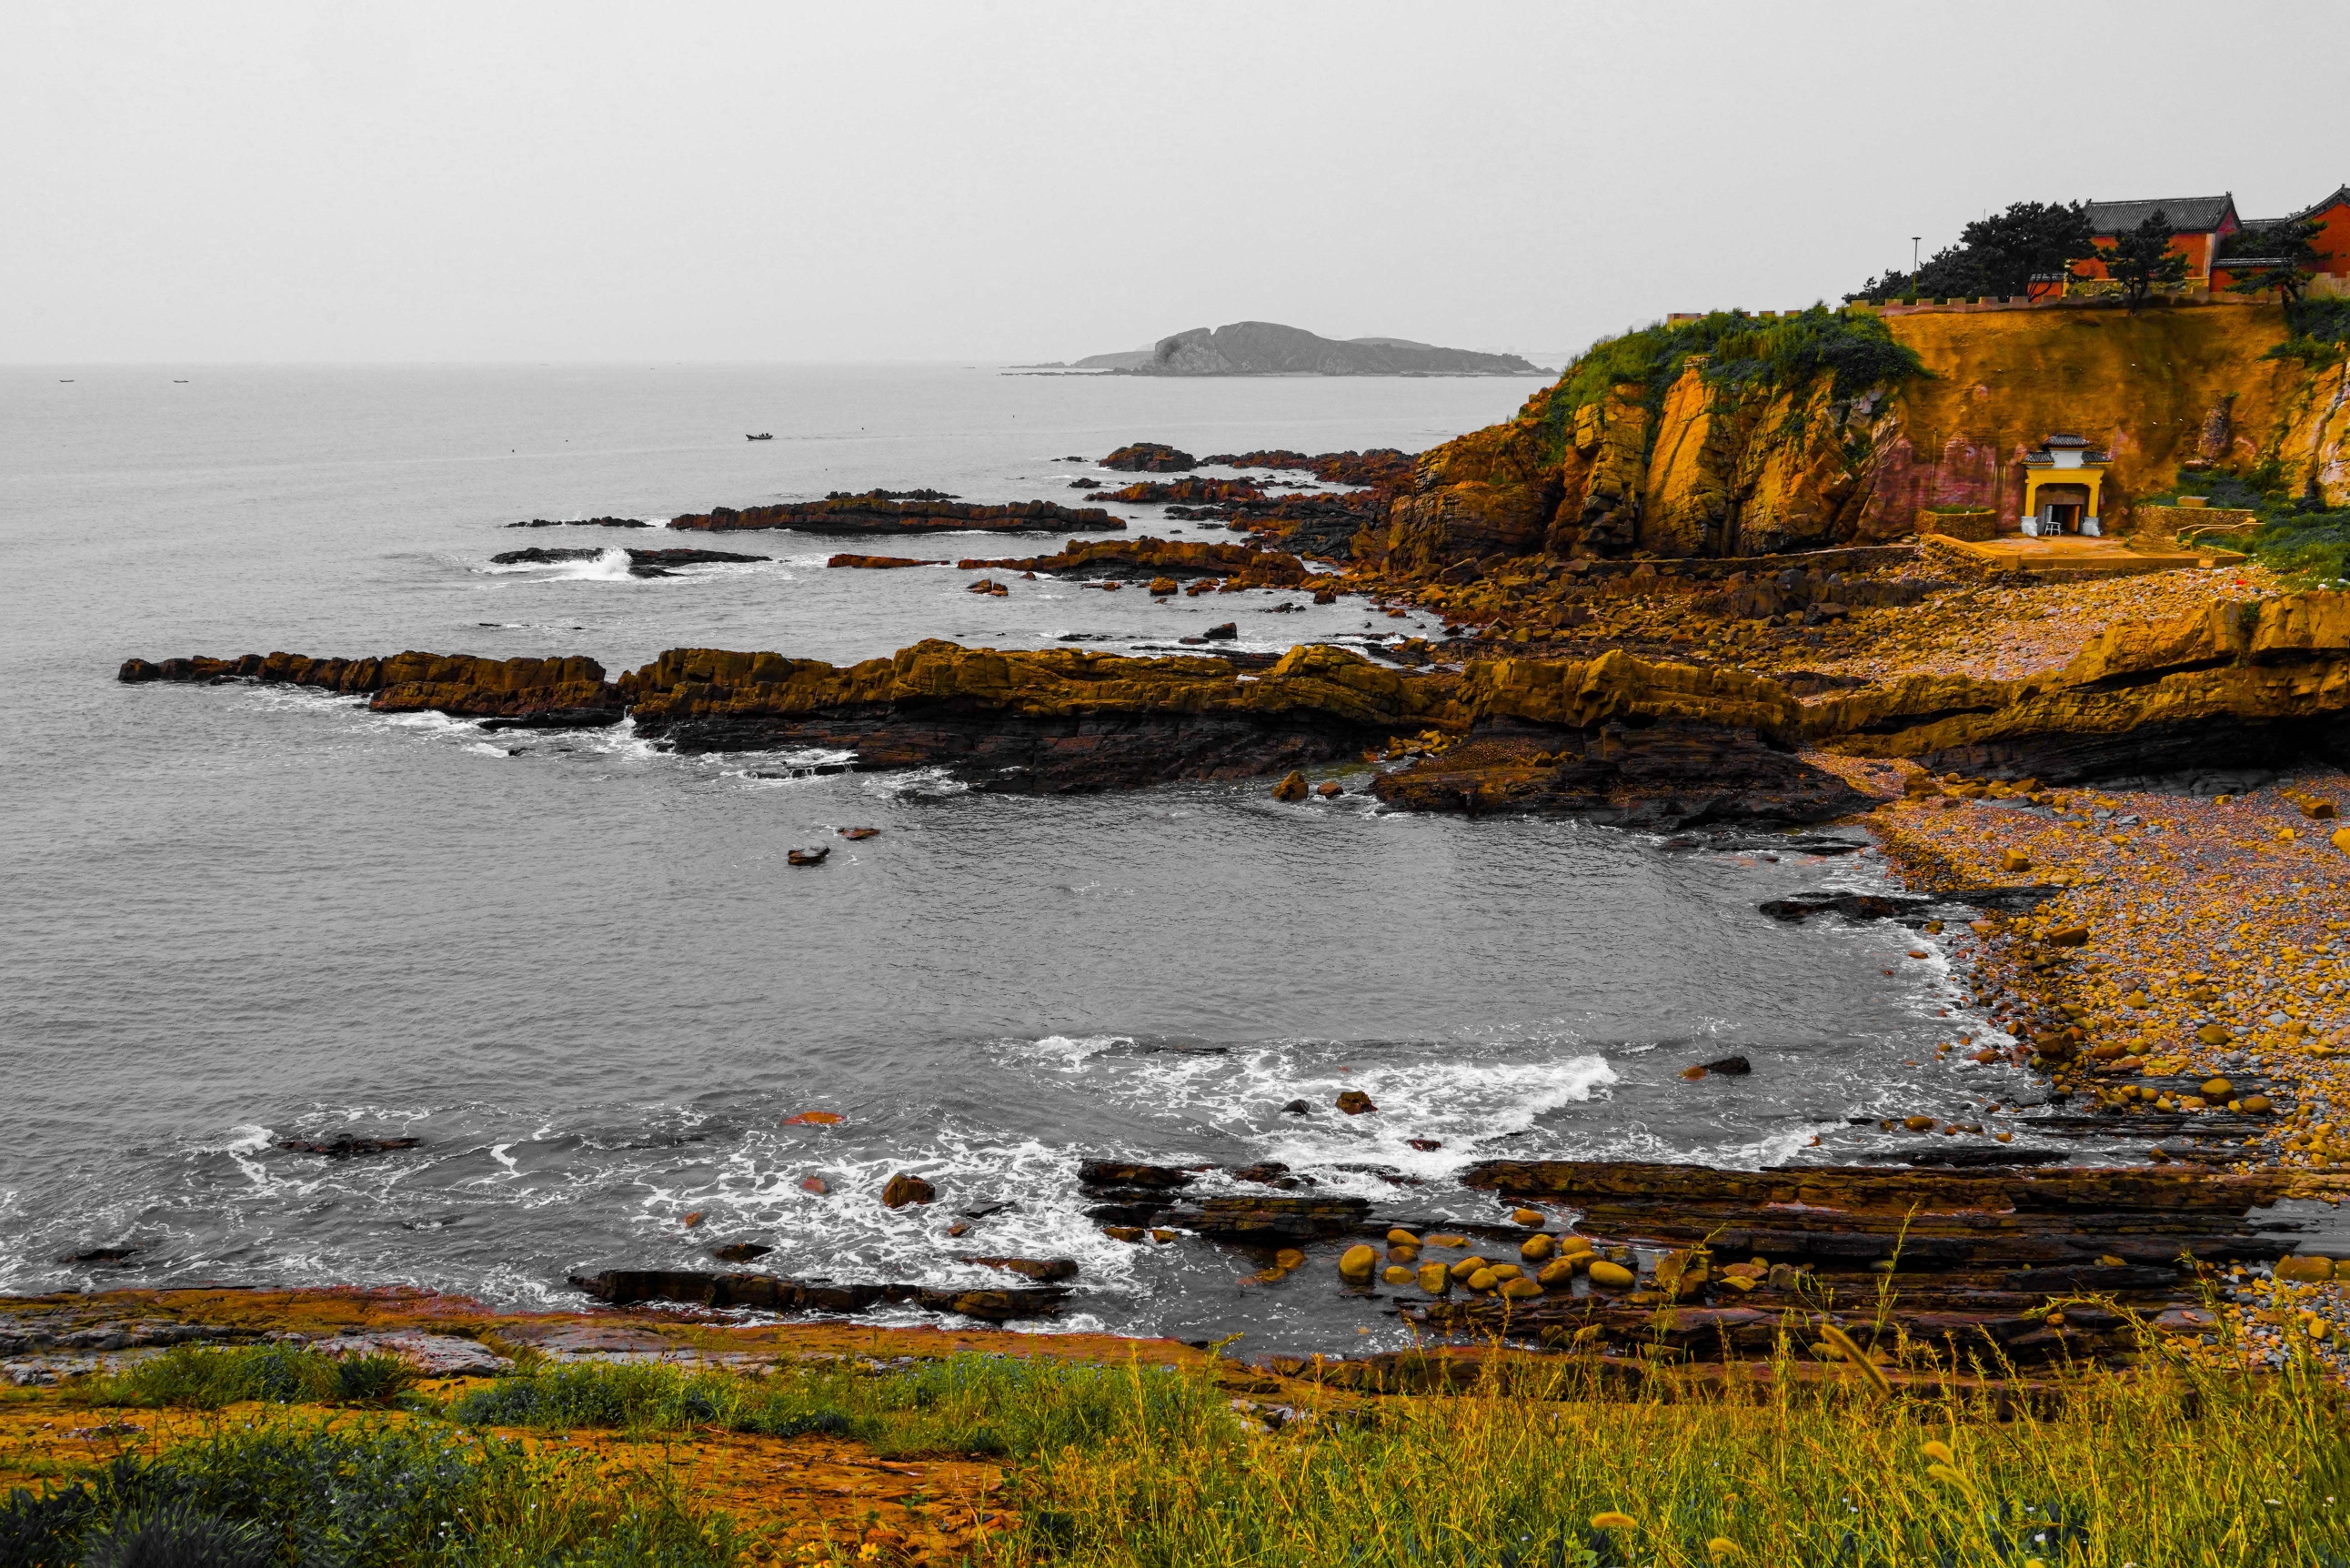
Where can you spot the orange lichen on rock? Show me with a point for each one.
(1618, 687)
(539, 690)
(695, 695)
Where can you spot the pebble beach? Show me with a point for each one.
(2189, 971)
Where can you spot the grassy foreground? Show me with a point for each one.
(312, 1463)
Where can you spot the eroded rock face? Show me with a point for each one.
(1584, 695)
(1712, 466)
(2249, 685)
(2315, 440)
(1675, 774)
(1486, 493)
(533, 692)
(879, 513)
(1619, 739)
(1039, 721)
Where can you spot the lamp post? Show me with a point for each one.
(1913, 256)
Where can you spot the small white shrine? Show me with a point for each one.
(2063, 483)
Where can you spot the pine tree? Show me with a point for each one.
(2142, 260)
(2287, 252)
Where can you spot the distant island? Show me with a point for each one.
(1268, 348)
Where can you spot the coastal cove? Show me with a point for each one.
(582, 973)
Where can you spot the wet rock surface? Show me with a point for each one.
(1850, 906)
(1044, 1271)
(345, 1146)
(883, 512)
(1237, 565)
(766, 1293)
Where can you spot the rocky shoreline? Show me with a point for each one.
(1992, 1273)
(2135, 784)
(2227, 1066)
(1616, 737)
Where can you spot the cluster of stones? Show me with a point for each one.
(2235, 1047)
(1544, 1261)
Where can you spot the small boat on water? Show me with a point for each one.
(763, 435)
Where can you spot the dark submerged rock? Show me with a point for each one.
(766, 1293)
(345, 1146)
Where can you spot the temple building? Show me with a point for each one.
(2205, 225)
(2201, 222)
(2063, 483)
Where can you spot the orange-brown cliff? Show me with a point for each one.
(1718, 459)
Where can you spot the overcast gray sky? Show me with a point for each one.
(197, 182)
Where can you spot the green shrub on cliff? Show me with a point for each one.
(2298, 534)
(2313, 544)
(193, 1377)
(1745, 352)
(2317, 330)
(962, 1404)
(294, 1492)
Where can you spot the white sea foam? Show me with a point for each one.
(1459, 1103)
(610, 566)
(251, 1138)
(845, 1234)
(621, 741)
(928, 781)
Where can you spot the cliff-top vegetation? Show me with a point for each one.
(1536, 1463)
(1742, 352)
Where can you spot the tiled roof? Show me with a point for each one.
(2341, 193)
(2185, 213)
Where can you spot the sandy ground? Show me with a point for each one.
(1999, 632)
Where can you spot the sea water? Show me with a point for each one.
(579, 970)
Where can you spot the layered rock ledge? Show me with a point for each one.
(550, 693)
(879, 512)
(1039, 721)
(1614, 738)
(2229, 685)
